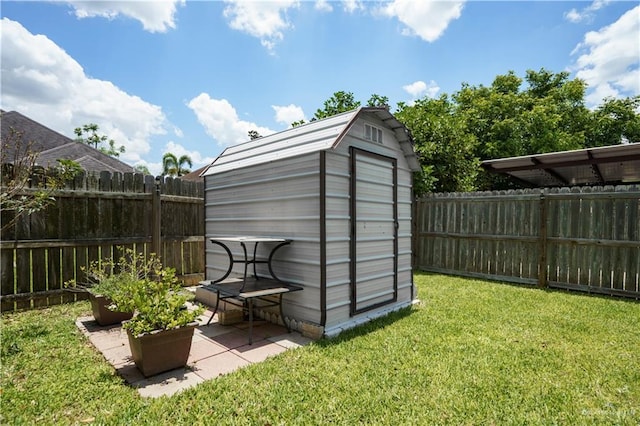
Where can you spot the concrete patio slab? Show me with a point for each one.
(167, 383)
(215, 350)
(217, 365)
(258, 351)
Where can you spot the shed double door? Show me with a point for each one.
(374, 230)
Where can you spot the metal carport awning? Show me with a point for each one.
(616, 164)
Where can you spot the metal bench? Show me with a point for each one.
(245, 291)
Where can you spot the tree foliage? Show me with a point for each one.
(378, 101)
(339, 102)
(615, 121)
(88, 134)
(539, 113)
(174, 166)
(26, 187)
(544, 112)
(446, 150)
(253, 134)
(141, 168)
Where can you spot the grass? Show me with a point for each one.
(473, 352)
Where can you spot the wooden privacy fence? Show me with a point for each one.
(93, 218)
(583, 238)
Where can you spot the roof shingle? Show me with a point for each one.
(51, 145)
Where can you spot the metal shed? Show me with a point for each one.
(341, 189)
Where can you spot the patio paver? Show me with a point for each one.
(215, 350)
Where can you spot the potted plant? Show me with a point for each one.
(101, 296)
(161, 329)
(105, 278)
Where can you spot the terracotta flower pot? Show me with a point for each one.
(161, 350)
(101, 313)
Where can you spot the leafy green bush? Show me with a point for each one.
(155, 296)
(139, 284)
(107, 277)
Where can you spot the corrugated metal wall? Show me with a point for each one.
(275, 199)
(338, 223)
(285, 198)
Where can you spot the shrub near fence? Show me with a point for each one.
(96, 215)
(583, 238)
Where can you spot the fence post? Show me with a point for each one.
(155, 220)
(542, 243)
(414, 232)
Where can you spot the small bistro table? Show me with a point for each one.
(244, 291)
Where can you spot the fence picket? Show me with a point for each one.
(592, 237)
(93, 215)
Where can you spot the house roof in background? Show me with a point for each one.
(615, 164)
(316, 136)
(51, 145)
(195, 175)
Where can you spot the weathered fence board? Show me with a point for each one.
(579, 238)
(95, 217)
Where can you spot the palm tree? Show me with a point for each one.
(174, 166)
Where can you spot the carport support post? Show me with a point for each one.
(155, 219)
(542, 243)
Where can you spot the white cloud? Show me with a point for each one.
(586, 14)
(155, 16)
(197, 159)
(261, 19)
(220, 120)
(609, 59)
(288, 114)
(416, 88)
(323, 6)
(41, 81)
(351, 6)
(426, 19)
(573, 16)
(419, 88)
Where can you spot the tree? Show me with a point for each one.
(547, 116)
(174, 166)
(88, 134)
(339, 102)
(26, 187)
(544, 112)
(613, 122)
(253, 134)
(141, 168)
(445, 148)
(378, 101)
(509, 118)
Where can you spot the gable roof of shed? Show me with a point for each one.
(316, 136)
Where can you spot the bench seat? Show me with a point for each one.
(244, 292)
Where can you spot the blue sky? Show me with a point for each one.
(194, 77)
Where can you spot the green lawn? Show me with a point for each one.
(473, 352)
